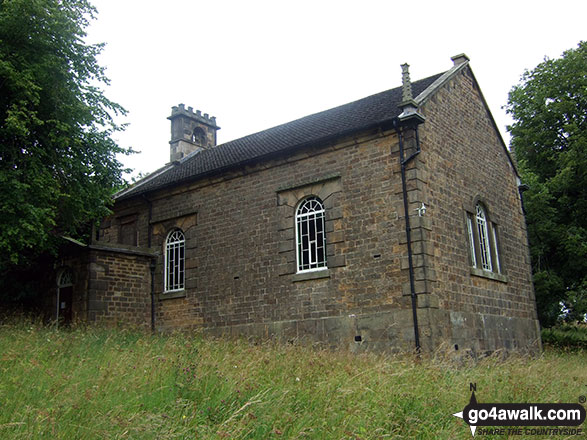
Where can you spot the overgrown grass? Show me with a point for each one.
(111, 384)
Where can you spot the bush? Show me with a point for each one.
(566, 336)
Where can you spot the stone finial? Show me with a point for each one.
(408, 105)
(406, 83)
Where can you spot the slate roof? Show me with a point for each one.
(314, 129)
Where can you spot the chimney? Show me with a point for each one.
(408, 105)
(190, 132)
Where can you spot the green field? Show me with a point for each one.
(103, 384)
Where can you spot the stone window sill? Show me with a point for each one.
(315, 275)
(490, 275)
(172, 295)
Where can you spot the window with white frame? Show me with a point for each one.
(175, 261)
(484, 246)
(483, 241)
(310, 235)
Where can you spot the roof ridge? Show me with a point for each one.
(317, 127)
(260, 132)
(327, 110)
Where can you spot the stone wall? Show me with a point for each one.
(463, 161)
(239, 228)
(118, 287)
(240, 247)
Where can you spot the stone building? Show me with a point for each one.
(391, 222)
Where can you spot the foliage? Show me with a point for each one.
(58, 165)
(549, 138)
(566, 336)
(97, 383)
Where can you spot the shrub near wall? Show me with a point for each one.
(566, 336)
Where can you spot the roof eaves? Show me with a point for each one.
(118, 249)
(121, 194)
(73, 241)
(259, 158)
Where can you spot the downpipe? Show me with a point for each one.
(404, 162)
(153, 263)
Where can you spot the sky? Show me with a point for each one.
(255, 64)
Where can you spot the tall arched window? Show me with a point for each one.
(310, 235)
(483, 231)
(175, 261)
(484, 243)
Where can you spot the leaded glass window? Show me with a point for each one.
(65, 278)
(175, 261)
(483, 241)
(471, 241)
(310, 235)
(484, 245)
(496, 247)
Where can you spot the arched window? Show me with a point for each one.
(483, 232)
(199, 136)
(65, 278)
(175, 261)
(310, 235)
(483, 241)
(64, 300)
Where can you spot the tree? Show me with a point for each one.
(58, 165)
(549, 139)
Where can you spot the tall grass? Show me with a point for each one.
(111, 384)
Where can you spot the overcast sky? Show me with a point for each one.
(257, 64)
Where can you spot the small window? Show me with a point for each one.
(483, 241)
(65, 278)
(175, 261)
(310, 235)
(199, 136)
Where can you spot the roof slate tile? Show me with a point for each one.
(338, 121)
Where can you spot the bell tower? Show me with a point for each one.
(190, 131)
